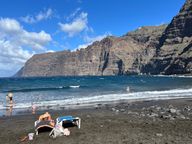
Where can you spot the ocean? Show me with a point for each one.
(70, 91)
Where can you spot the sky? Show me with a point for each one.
(29, 27)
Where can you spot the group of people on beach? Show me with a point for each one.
(10, 103)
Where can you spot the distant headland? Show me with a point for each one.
(165, 49)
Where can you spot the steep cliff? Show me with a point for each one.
(174, 52)
(110, 56)
(153, 49)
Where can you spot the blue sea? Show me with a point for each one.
(70, 91)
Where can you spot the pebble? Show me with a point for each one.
(178, 112)
(187, 108)
(170, 106)
(165, 116)
(88, 116)
(113, 109)
(159, 134)
(142, 115)
(158, 108)
(117, 111)
(182, 116)
(153, 115)
(172, 110)
(122, 110)
(172, 118)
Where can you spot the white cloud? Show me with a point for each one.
(11, 29)
(9, 26)
(85, 45)
(50, 51)
(73, 14)
(12, 58)
(10, 51)
(43, 15)
(96, 38)
(37, 41)
(90, 40)
(17, 45)
(78, 25)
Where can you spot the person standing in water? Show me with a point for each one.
(33, 108)
(128, 89)
(9, 99)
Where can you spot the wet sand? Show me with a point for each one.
(147, 122)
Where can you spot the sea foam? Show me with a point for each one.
(145, 95)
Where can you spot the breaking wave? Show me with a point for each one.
(44, 89)
(146, 95)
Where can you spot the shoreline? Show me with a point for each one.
(92, 105)
(86, 102)
(140, 74)
(162, 121)
(157, 121)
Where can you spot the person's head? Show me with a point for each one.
(10, 94)
(46, 113)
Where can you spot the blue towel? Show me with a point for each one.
(65, 118)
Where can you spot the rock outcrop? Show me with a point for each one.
(174, 52)
(110, 56)
(153, 49)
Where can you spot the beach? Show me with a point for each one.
(125, 122)
(122, 75)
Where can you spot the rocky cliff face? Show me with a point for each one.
(174, 52)
(110, 56)
(154, 49)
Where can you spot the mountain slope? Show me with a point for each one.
(174, 52)
(153, 49)
(110, 56)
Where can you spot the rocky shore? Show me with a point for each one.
(142, 122)
(156, 112)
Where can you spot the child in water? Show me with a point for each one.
(33, 107)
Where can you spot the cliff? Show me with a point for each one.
(110, 56)
(153, 49)
(174, 52)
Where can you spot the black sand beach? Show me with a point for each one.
(148, 122)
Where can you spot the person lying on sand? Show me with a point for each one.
(46, 117)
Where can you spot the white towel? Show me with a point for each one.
(66, 132)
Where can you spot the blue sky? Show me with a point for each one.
(28, 27)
